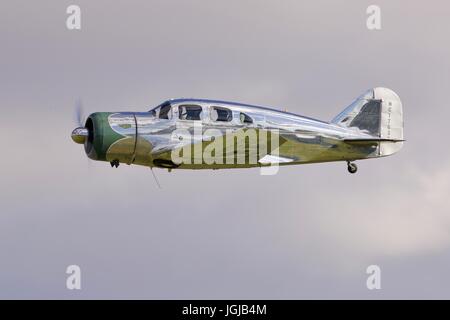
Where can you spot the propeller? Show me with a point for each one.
(79, 113)
(79, 134)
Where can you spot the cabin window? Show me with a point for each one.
(221, 114)
(162, 112)
(245, 118)
(190, 112)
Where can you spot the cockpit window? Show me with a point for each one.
(165, 112)
(245, 118)
(190, 112)
(162, 112)
(221, 114)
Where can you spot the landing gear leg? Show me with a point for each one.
(115, 163)
(352, 167)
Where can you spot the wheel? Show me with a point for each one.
(115, 163)
(352, 167)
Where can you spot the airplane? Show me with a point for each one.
(370, 127)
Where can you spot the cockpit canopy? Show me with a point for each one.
(192, 111)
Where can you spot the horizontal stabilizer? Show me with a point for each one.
(371, 140)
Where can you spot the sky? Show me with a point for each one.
(307, 232)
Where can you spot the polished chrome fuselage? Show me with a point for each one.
(150, 141)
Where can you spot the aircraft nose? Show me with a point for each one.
(79, 135)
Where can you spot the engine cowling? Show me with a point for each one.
(103, 143)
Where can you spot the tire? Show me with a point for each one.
(352, 168)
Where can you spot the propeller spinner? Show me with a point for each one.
(80, 134)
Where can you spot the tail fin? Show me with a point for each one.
(377, 112)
